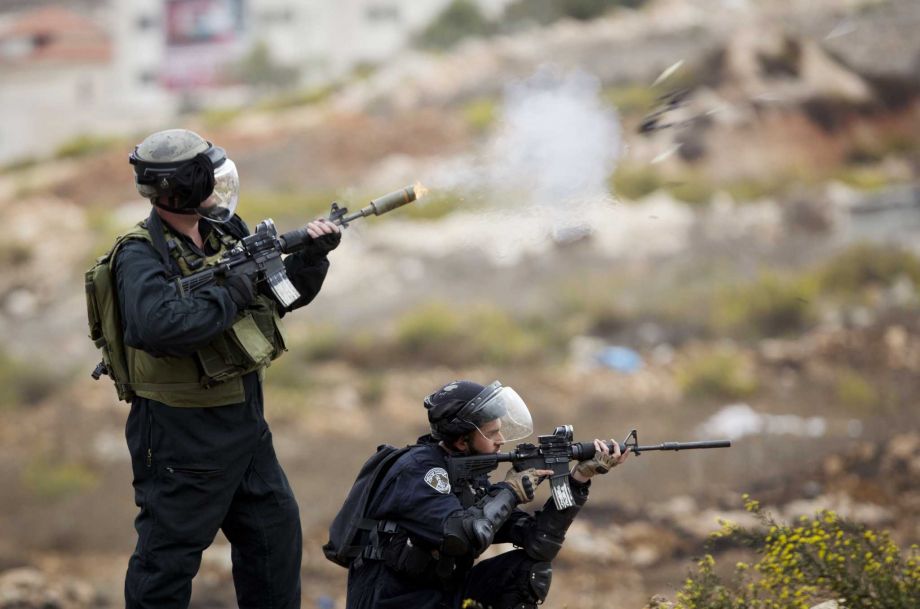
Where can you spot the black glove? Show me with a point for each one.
(322, 245)
(242, 290)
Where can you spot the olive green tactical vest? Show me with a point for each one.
(210, 377)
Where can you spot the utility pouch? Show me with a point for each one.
(252, 341)
(242, 348)
(267, 323)
(403, 557)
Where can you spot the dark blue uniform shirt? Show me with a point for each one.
(416, 494)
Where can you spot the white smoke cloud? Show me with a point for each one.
(556, 140)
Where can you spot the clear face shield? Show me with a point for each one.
(221, 205)
(503, 404)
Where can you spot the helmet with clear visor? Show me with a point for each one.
(190, 173)
(492, 403)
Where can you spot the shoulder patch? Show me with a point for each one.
(436, 478)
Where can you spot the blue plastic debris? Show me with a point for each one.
(621, 359)
(325, 602)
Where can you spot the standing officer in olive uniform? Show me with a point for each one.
(201, 450)
(429, 532)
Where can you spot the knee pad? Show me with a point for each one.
(540, 577)
(532, 587)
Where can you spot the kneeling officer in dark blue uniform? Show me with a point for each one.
(423, 548)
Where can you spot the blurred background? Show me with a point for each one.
(696, 218)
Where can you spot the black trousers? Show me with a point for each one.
(198, 471)
(501, 582)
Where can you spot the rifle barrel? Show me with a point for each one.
(684, 445)
(585, 450)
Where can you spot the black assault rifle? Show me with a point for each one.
(553, 452)
(259, 254)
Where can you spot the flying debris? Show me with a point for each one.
(666, 154)
(668, 73)
(667, 103)
(841, 29)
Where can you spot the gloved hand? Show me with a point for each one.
(603, 461)
(242, 290)
(326, 236)
(523, 483)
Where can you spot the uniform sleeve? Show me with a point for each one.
(415, 503)
(514, 529)
(156, 319)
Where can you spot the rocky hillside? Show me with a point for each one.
(698, 220)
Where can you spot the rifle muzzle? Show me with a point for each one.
(390, 201)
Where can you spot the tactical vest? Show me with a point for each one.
(210, 377)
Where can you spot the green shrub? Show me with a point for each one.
(630, 99)
(751, 189)
(547, 11)
(862, 178)
(215, 118)
(57, 480)
(290, 374)
(372, 389)
(634, 182)
(820, 558)
(18, 165)
(459, 20)
(289, 209)
(874, 147)
(25, 384)
(306, 97)
(438, 333)
(479, 113)
(501, 340)
(692, 188)
(723, 374)
(593, 311)
(866, 265)
(363, 70)
(259, 69)
(770, 306)
(433, 331)
(14, 253)
(84, 145)
(855, 391)
(541, 12)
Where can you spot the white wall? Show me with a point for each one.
(44, 106)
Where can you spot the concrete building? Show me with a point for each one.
(58, 81)
(187, 41)
(54, 70)
(117, 66)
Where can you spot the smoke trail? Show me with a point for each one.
(555, 143)
(552, 151)
(556, 140)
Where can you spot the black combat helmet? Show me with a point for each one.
(463, 406)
